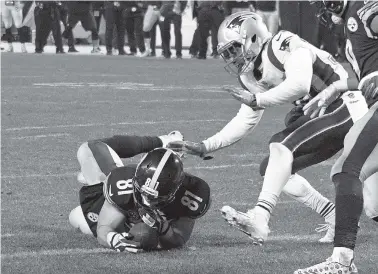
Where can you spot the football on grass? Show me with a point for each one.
(147, 236)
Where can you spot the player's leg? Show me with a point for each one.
(150, 18)
(8, 21)
(370, 193)
(17, 19)
(357, 162)
(96, 161)
(88, 22)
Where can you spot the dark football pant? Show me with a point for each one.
(115, 17)
(176, 19)
(358, 161)
(87, 20)
(45, 21)
(134, 30)
(313, 140)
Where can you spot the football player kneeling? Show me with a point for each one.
(146, 207)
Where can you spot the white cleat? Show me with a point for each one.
(247, 223)
(96, 50)
(330, 234)
(23, 48)
(145, 53)
(171, 137)
(330, 266)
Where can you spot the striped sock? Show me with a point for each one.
(265, 205)
(327, 210)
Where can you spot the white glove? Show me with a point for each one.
(246, 97)
(121, 242)
(318, 105)
(198, 149)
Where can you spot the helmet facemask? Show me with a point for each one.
(233, 54)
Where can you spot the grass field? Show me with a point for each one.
(52, 103)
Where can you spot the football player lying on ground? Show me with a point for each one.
(134, 208)
(275, 70)
(355, 173)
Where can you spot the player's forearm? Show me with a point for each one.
(177, 234)
(243, 123)
(127, 146)
(102, 233)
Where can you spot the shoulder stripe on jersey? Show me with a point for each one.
(273, 59)
(159, 168)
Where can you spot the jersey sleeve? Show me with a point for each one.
(194, 199)
(366, 14)
(118, 188)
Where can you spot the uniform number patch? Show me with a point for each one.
(125, 187)
(191, 200)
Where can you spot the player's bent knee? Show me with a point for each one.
(280, 150)
(77, 220)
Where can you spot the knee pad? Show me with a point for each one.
(77, 220)
(281, 150)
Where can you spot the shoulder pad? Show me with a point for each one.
(366, 14)
(193, 197)
(118, 188)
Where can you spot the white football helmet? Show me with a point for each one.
(240, 39)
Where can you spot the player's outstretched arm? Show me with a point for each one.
(110, 221)
(177, 234)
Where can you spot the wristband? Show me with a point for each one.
(110, 237)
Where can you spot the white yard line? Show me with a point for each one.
(40, 136)
(56, 252)
(115, 124)
(69, 174)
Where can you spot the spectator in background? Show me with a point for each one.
(172, 13)
(268, 11)
(82, 11)
(12, 12)
(115, 17)
(236, 6)
(98, 11)
(63, 15)
(46, 16)
(150, 22)
(134, 27)
(300, 18)
(210, 16)
(194, 47)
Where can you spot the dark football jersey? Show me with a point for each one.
(192, 199)
(362, 43)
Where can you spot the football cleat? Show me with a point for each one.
(144, 54)
(247, 223)
(171, 137)
(330, 234)
(96, 50)
(330, 266)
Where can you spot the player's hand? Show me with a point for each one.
(370, 88)
(154, 219)
(188, 147)
(246, 97)
(121, 242)
(318, 105)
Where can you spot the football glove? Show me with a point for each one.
(318, 105)
(370, 89)
(121, 242)
(187, 147)
(154, 219)
(246, 97)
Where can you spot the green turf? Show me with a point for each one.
(52, 103)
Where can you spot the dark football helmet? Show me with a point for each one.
(157, 178)
(327, 9)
